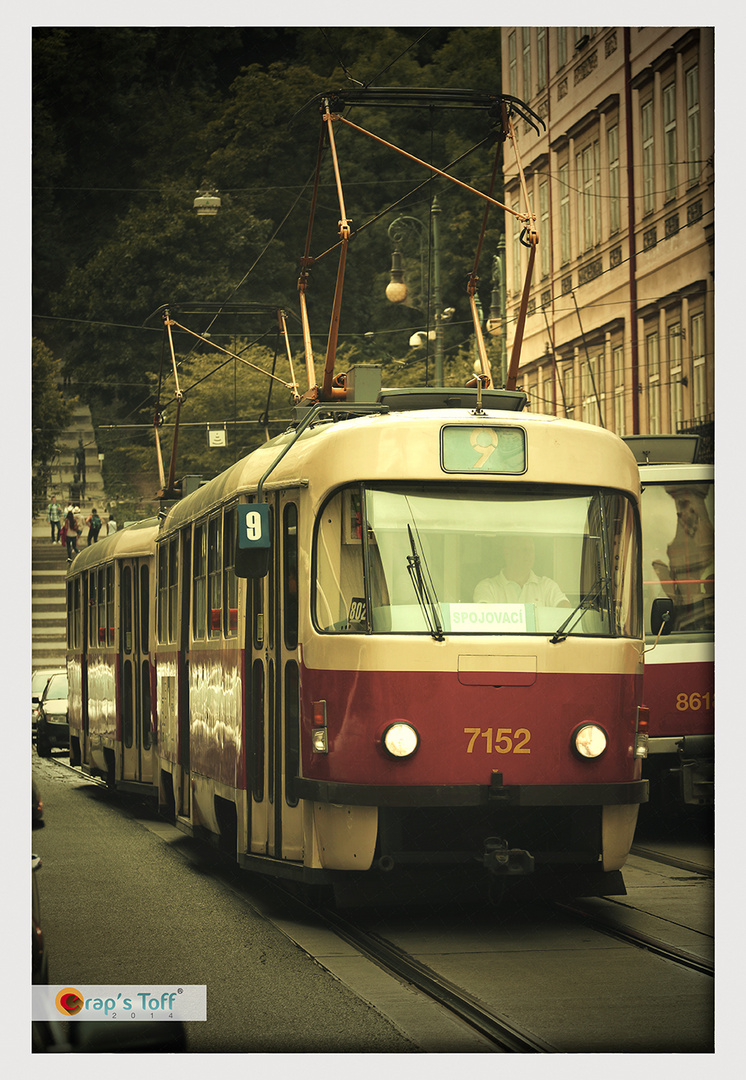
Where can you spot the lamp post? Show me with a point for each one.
(400, 230)
(497, 323)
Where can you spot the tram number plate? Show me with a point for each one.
(498, 740)
(253, 526)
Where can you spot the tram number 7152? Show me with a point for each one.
(498, 740)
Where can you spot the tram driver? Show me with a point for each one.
(517, 583)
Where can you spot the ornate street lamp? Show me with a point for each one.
(399, 230)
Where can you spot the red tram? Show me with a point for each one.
(678, 531)
(298, 659)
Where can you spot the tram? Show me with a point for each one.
(679, 599)
(316, 659)
(111, 676)
(298, 660)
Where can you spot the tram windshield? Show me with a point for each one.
(442, 559)
(678, 550)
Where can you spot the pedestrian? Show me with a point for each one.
(93, 521)
(53, 517)
(73, 532)
(111, 526)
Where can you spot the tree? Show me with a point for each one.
(51, 414)
(130, 122)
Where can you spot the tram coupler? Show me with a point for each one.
(503, 861)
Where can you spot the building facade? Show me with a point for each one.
(620, 324)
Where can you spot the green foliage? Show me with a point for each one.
(51, 414)
(128, 125)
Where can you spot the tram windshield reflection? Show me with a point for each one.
(679, 554)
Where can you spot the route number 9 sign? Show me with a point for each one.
(253, 526)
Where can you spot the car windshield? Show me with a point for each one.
(442, 559)
(38, 682)
(678, 553)
(57, 688)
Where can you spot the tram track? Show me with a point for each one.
(505, 1036)
(612, 921)
(441, 999)
(644, 852)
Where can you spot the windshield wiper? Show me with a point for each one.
(430, 607)
(586, 602)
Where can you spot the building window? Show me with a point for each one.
(617, 357)
(568, 381)
(692, 123)
(512, 64)
(541, 57)
(613, 146)
(648, 161)
(654, 383)
(561, 46)
(669, 138)
(545, 244)
(527, 62)
(589, 195)
(594, 372)
(548, 403)
(699, 371)
(675, 374)
(564, 181)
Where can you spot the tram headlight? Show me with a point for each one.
(590, 741)
(400, 740)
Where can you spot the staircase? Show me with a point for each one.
(76, 478)
(48, 570)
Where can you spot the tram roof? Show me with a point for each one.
(131, 541)
(394, 445)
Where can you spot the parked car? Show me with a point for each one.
(52, 728)
(39, 960)
(39, 680)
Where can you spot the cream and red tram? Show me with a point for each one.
(348, 713)
(678, 547)
(110, 670)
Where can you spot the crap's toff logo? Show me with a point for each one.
(70, 1001)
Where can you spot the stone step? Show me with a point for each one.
(49, 562)
(48, 658)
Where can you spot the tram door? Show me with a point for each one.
(134, 689)
(274, 712)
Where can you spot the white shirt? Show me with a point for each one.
(537, 590)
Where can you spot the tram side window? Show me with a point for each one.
(101, 620)
(163, 593)
(144, 608)
(77, 615)
(70, 615)
(93, 609)
(110, 603)
(214, 577)
(290, 575)
(199, 573)
(340, 589)
(173, 587)
(230, 581)
(127, 609)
